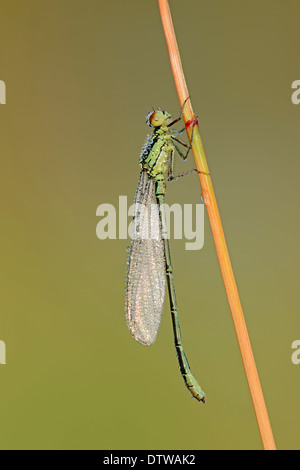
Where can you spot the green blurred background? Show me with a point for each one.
(80, 77)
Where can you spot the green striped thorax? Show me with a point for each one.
(155, 157)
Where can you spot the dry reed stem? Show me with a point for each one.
(218, 234)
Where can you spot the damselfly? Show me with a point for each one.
(149, 263)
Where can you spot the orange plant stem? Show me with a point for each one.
(218, 234)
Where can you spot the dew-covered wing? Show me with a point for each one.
(146, 281)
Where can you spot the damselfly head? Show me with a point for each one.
(157, 118)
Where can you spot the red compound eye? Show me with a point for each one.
(156, 118)
(150, 117)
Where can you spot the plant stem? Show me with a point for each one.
(218, 234)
